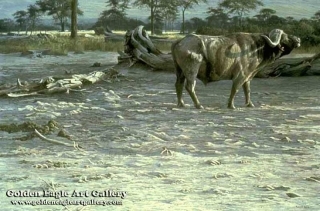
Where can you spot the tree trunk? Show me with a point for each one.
(183, 10)
(152, 20)
(74, 19)
(32, 28)
(292, 67)
(62, 24)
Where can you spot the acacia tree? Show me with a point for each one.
(240, 7)
(194, 24)
(6, 25)
(115, 13)
(217, 17)
(33, 16)
(169, 15)
(187, 4)
(316, 20)
(265, 14)
(165, 16)
(21, 17)
(155, 7)
(60, 10)
(316, 16)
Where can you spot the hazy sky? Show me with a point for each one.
(92, 8)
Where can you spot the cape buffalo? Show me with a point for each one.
(237, 57)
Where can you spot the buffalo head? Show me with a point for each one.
(286, 43)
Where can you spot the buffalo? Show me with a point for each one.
(237, 57)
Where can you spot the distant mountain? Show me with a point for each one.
(92, 8)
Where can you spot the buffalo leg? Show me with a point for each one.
(179, 88)
(190, 86)
(246, 89)
(235, 88)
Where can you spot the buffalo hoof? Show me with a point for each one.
(199, 107)
(231, 107)
(250, 105)
(181, 105)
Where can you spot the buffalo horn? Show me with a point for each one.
(274, 37)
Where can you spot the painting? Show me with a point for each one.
(92, 116)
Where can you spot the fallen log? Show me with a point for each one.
(112, 37)
(293, 67)
(139, 47)
(51, 85)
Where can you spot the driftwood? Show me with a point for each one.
(140, 48)
(36, 53)
(112, 37)
(293, 67)
(53, 141)
(51, 85)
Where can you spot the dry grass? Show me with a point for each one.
(61, 43)
(307, 49)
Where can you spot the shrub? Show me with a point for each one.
(99, 30)
(211, 31)
(311, 39)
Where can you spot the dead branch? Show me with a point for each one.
(51, 85)
(53, 141)
(139, 47)
(293, 67)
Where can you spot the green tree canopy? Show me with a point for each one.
(217, 17)
(185, 5)
(33, 15)
(115, 15)
(265, 14)
(60, 10)
(6, 25)
(240, 7)
(155, 7)
(316, 16)
(21, 17)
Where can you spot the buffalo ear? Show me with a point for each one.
(297, 41)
